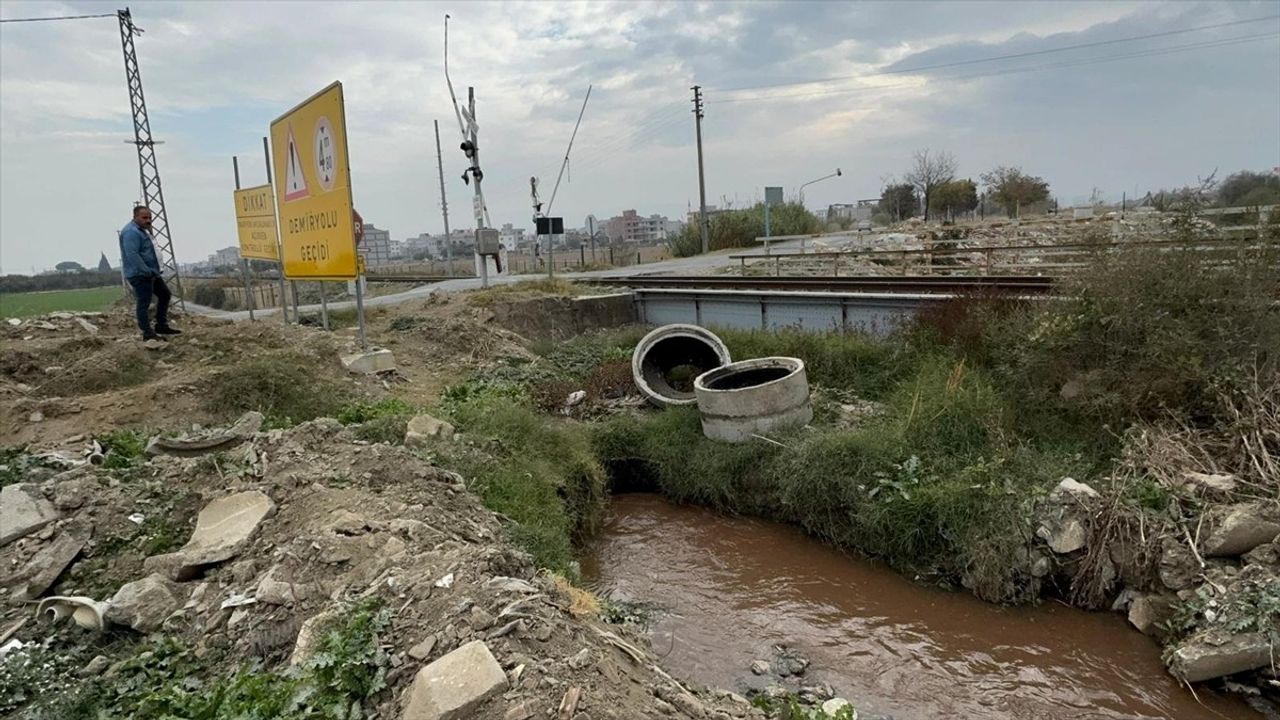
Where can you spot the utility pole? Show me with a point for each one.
(702, 182)
(148, 171)
(444, 205)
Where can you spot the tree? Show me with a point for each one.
(104, 265)
(899, 201)
(929, 171)
(955, 197)
(69, 266)
(1012, 189)
(1249, 188)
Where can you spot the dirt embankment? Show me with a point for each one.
(345, 522)
(325, 567)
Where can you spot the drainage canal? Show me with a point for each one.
(731, 588)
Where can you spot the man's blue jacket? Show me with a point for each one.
(137, 253)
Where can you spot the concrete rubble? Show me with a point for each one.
(370, 361)
(452, 687)
(145, 604)
(222, 529)
(1207, 658)
(23, 510)
(209, 441)
(1242, 528)
(44, 567)
(423, 428)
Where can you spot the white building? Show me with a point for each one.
(226, 257)
(511, 237)
(376, 245)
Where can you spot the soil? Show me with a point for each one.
(351, 520)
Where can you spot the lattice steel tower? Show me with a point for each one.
(148, 171)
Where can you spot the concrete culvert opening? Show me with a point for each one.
(753, 398)
(668, 360)
(748, 378)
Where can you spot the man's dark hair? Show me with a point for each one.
(139, 208)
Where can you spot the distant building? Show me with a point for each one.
(376, 245)
(631, 227)
(858, 212)
(511, 237)
(226, 257)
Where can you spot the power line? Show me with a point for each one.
(56, 17)
(1011, 56)
(1010, 71)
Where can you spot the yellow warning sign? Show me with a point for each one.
(313, 188)
(256, 223)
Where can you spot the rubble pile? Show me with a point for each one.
(287, 529)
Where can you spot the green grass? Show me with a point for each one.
(166, 680)
(39, 303)
(287, 387)
(538, 471)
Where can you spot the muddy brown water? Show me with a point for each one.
(732, 588)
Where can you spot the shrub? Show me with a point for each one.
(542, 474)
(287, 387)
(1144, 333)
(740, 228)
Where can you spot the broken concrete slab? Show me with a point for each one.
(276, 589)
(23, 510)
(1244, 527)
(201, 443)
(43, 569)
(1151, 613)
(309, 637)
(144, 604)
(455, 685)
(423, 428)
(1199, 659)
(371, 361)
(1063, 536)
(223, 528)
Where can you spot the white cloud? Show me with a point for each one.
(216, 74)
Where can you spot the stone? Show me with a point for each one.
(1178, 567)
(760, 667)
(23, 510)
(223, 528)
(35, 416)
(523, 711)
(1196, 660)
(1209, 482)
(423, 428)
(504, 584)
(1266, 555)
(95, 667)
(369, 362)
(583, 659)
(1070, 487)
(43, 569)
(1150, 613)
(88, 326)
(1063, 536)
(309, 637)
(835, 705)
(422, 650)
(275, 590)
(1245, 527)
(145, 604)
(455, 685)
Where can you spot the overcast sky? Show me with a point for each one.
(1123, 115)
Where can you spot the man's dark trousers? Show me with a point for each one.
(143, 289)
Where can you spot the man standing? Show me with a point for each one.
(142, 269)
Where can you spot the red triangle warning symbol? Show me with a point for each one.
(295, 182)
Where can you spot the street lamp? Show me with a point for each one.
(837, 173)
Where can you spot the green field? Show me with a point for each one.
(39, 303)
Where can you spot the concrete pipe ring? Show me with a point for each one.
(753, 398)
(668, 359)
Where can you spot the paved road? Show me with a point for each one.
(697, 265)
